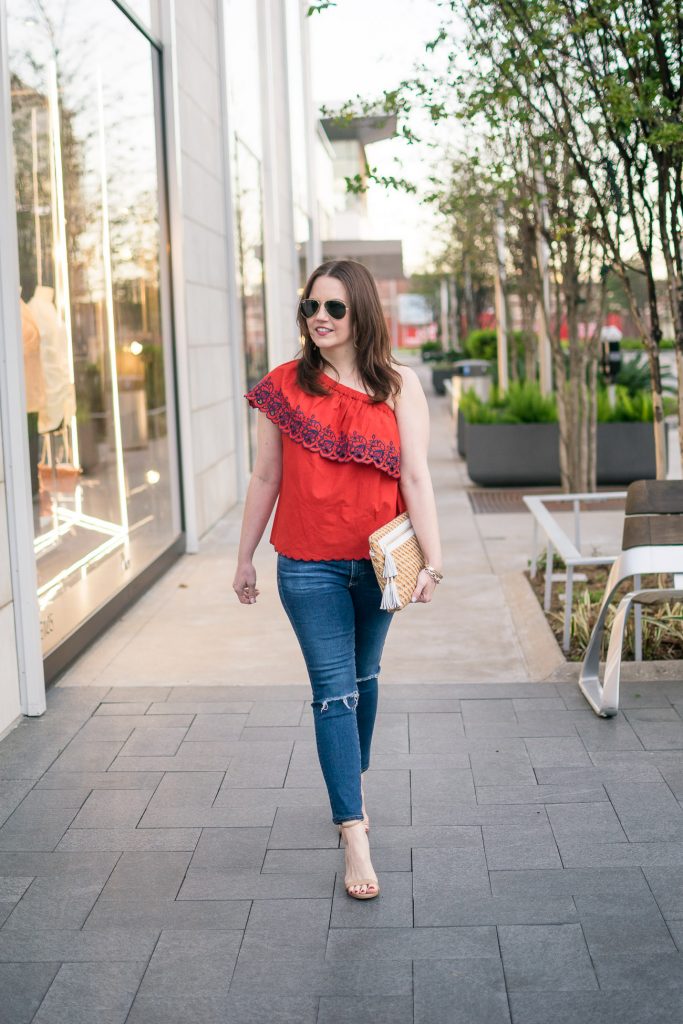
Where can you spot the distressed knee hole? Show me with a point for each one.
(350, 701)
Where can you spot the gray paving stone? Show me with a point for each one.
(592, 823)
(280, 733)
(492, 768)
(454, 761)
(511, 846)
(659, 735)
(634, 772)
(277, 712)
(388, 797)
(496, 710)
(82, 992)
(257, 765)
(154, 742)
(191, 757)
(138, 707)
(106, 728)
(13, 888)
(540, 725)
(112, 808)
(595, 1007)
(12, 792)
(294, 691)
(393, 908)
(123, 694)
(305, 862)
(641, 971)
(557, 751)
(391, 734)
(230, 849)
(434, 733)
(144, 875)
(303, 827)
(449, 874)
(87, 756)
(434, 793)
(392, 703)
(676, 929)
(466, 910)
(379, 1009)
(371, 944)
(666, 884)
(608, 734)
(669, 714)
(540, 794)
(576, 854)
(133, 839)
(187, 979)
(546, 957)
(463, 836)
(94, 865)
(54, 945)
(292, 977)
(23, 987)
(216, 727)
(55, 779)
(200, 707)
(567, 881)
(60, 901)
(286, 930)
(525, 704)
(220, 884)
(623, 923)
(164, 914)
(648, 812)
(180, 788)
(471, 991)
(296, 778)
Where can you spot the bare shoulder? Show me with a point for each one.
(410, 382)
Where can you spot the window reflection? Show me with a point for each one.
(84, 90)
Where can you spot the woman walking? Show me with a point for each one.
(342, 447)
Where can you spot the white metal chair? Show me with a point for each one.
(652, 543)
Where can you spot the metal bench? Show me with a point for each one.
(652, 543)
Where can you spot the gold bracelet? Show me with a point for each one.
(434, 573)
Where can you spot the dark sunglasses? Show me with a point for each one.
(335, 307)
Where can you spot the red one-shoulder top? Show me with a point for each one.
(341, 465)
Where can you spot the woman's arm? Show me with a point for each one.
(262, 493)
(412, 416)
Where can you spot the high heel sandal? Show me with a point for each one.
(350, 884)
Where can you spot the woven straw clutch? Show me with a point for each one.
(397, 559)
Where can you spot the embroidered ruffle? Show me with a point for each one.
(306, 429)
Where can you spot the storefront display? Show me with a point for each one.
(89, 174)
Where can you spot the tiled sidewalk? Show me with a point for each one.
(167, 857)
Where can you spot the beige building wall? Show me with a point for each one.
(205, 260)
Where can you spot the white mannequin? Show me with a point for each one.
(60, 397)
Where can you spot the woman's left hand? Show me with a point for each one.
(424, 588)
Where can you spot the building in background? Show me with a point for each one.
(157, 217)
(345, 226)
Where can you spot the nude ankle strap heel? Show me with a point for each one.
(352, 883)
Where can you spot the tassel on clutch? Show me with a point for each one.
(397, 559)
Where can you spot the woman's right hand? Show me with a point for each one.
(244, 584)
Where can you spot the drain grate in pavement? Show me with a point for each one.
(491, 502)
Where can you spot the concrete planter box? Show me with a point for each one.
(525, 454)
(439, 377)
(462, 435)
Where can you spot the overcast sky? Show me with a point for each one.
(365, 46)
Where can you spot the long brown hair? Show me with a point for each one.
(369, 329)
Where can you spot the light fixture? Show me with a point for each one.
(136, 348)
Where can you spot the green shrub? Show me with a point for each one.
(524, 403)
(636, 343)
(482, 344)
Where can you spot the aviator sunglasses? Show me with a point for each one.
(335, 307)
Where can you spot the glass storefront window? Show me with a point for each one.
(89, 175)
(248, 200)
(298, 136)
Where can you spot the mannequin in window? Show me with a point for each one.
(60, 400)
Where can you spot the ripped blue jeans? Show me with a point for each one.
(334, 609)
